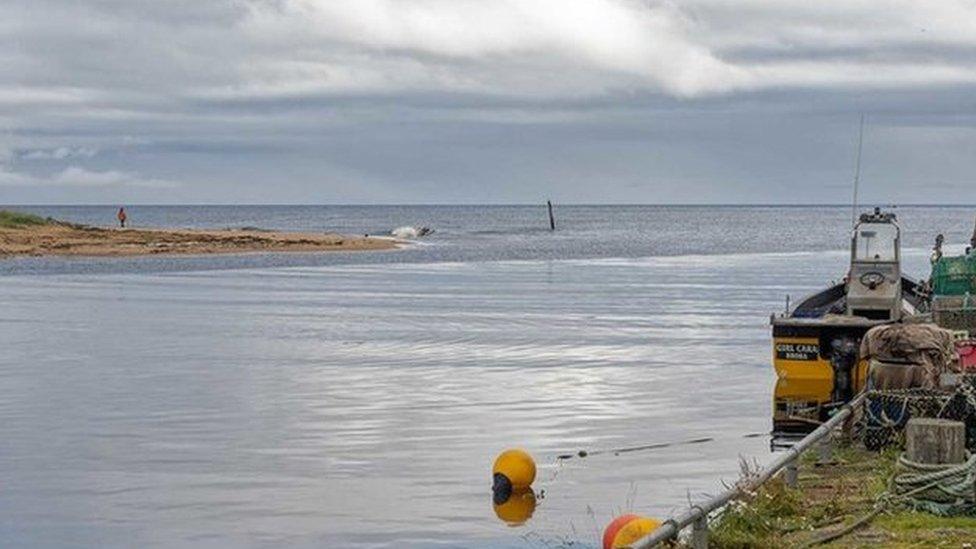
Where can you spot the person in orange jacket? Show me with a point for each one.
(122, 217)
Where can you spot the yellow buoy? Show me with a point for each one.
(513, 469)
(627, 529)
(517, 509)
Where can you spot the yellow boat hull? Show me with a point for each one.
(804, 376)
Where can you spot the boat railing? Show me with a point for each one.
(786, 463)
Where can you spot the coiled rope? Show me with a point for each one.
(940, 489)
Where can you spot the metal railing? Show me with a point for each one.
(697, 515)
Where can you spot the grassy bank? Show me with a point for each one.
(13, 220)
(829, 498)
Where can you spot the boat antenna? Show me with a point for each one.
(857, 171)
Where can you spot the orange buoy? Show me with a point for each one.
(627, 529)
(514, 470)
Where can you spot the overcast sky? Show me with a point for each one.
(485, 101)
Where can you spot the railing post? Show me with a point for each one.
(791, 473)
(699, 533)
(847, 427)
(825, 450)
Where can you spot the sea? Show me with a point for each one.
(359, 399)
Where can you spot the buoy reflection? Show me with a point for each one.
(517, 508)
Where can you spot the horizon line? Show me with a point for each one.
(500, 205)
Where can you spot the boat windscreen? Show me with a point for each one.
(876, 242)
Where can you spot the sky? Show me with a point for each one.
(489, 101)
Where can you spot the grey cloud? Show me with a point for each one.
(59, 153)
(463, 100)
(81, 177)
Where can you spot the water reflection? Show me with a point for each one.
(295, 406)
(514, 508)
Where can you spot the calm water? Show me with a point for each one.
(358, 400)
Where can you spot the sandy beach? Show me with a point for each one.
(57, 238)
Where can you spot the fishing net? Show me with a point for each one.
(941, 489)
(885, 413)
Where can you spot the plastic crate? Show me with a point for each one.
(955, 313)
(967, 355)
(954, 275)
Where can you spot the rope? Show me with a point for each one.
(655, 446)
(878, 507)
(884, 420)
(940, 489)
(943, 489)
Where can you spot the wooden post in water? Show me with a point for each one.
(935, 441)
(552, 220)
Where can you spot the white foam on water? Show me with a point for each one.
(411, 232)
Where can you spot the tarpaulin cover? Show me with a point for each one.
(903, 356)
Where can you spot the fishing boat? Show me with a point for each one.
(816, 342)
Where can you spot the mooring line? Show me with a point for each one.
(656, 446)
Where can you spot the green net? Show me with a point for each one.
(954, 275)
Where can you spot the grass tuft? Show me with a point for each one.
(759, 522)
(13, 220)
(828, 498)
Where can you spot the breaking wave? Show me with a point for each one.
(411, 232)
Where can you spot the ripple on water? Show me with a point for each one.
(363, 404)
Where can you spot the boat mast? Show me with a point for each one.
(857, 171)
